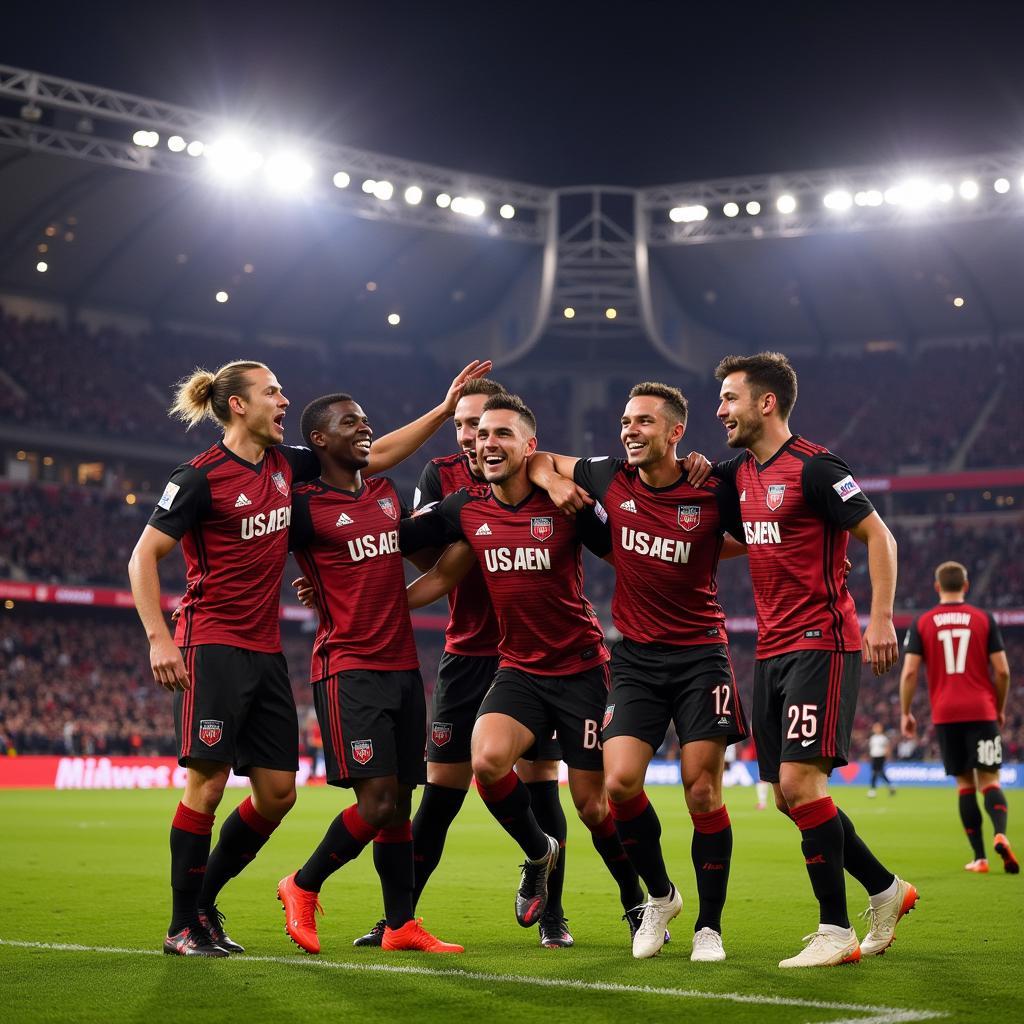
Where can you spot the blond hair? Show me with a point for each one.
(204, 395)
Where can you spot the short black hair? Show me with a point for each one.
(315, 414)
(513, 403)
(765, 371)
(672, 397)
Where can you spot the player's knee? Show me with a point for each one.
(781, 806)
(703, 796)
(592, 809)
(280, 802)
(378, 807)
(623, 786)
(488, 766)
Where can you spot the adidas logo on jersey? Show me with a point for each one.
(241, 501)
(483, 531)
(743, 495)
(344, 520)
(629, 505)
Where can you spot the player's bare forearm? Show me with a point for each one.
(880, 645)
(424, 559)
(731, 547)
(908, 681)
(1000, 679)
(554, 474)
(449, 570)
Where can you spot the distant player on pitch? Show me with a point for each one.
(968, 684)
(879, 746)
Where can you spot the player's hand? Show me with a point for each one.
(474, 371)
(569, 496)
(698, 469)
(1001, 720)
(304, 592)
(908, 726)
(176, 614)
(880, 645)
(167, 665)
(847, 567)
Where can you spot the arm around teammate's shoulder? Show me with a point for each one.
(555, 474)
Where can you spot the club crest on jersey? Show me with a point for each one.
(688, 516)
(210, 731)
(541, 527)
(387, 506)
(776, 492)
(609, 712)
(441, 733)
(362, 751)
(280, 483)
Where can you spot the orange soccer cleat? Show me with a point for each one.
(412, 935)
(979, 866)
(1010, 863)
(300, 910)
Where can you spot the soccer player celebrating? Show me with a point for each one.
(464, 675)
(672, 664)
(230, 507)
(798, 502)
(552, 670)
(958, 645)
(365, 673)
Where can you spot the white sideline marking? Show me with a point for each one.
(877, 1014)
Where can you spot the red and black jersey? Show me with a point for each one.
(955, 640)
(666, 542)
(472, 628)
(346, 543)
(796, 510)
(232, 519)
(532, 563)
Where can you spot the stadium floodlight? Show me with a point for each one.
(753, 207)
(146, 139)
(731, 209)
(506, 211)
(384, 190)
(368, 186)
(968, 189)
(42, 266)
(444, 200)
(195, 148)
(914, 193)
(869, 197)
(611, 312)
(414, 195)
(1001, 185)
(176, 144)
(785, 204)
(568, 312)
(959, 302)
(341, 180)
(838, 200)
(468, 206)
(394, 319)
(944, 192)
(232, 160)
(221, 297)
(687, 214)
(288, 172)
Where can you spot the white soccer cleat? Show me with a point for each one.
(872, 793)
(650, 936)
(885, 918)
(826, 949)
(979, 867)
(707, 946)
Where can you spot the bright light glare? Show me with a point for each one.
(968, 189)
(413, 195)
(221, 297)
(232, 160)
(394, 319)
(1001, 185)
(341, 180)
(467, 206)
(838, 200)
(195, 148)
(731, 209)
(958, 302)
(368, 186)
(146, 139)
(753, 207)
(568, 312)
(914, 193)
(176, 144)
(42, 266)
(944, 192)
(288, 172)
(384, 190)
(611, 312)
(785, 204)
(444, 200)
(687, 214)
(506, 211)
(872, 197)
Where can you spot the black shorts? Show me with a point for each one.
(239, 710)
(692, 687)
(804, 706)
(373, 724)
(571, 705)
(462, 682)
(969, 745)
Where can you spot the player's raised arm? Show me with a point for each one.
(554, 474)
(392, 448)
(449, 570)
(880, 646)
(164, 657)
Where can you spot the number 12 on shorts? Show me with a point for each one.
(803, 721)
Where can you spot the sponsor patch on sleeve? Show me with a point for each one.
(601, 512)
(167, 498)
(846, 488)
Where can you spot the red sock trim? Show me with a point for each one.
(712, 821)
(358, 828)
(603, 829)
(395, 834)
(987, 789)
(260, 825)
(192, 821)
(629, 809)
(816, 813)
(501, 789)
(967, 791)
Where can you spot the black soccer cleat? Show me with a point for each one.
(634, 917)
(193, 941)
(532, 895)
(374, 937)
(213, 921)
(554, 932)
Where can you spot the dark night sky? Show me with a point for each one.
(559, 93)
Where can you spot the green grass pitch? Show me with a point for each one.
(89, 870)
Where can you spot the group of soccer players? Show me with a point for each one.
(499, 528)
